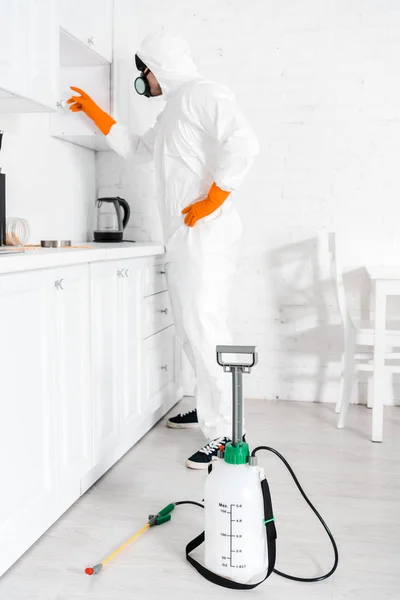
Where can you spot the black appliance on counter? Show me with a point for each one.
(2, 209)
(112, 216)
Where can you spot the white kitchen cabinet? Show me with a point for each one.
(91, 22)
(72, 381)
(157, 313)
(76, 127)
(45, 47)
(45, 445)
(80, 385)
(159, 374)
(82, 68)
(27, 418)
(155, 278)
(130, 336)
(105, 358)
(29, 56)
(134, 381)
(116, 360)
(161, 349)
(45, 422)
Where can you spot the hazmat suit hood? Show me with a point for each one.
(168, 57)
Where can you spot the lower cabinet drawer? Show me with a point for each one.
(157, 314)
(155, 279)
(159, 362)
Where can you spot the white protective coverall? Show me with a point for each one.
(200, 138)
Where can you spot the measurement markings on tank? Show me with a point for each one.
(231, 535)
(230, 524)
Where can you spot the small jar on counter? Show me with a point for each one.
(17, 231)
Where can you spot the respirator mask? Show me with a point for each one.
(141, 84)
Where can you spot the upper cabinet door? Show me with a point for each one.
(14, 47)
(91, 22)
(28, 56)
(43, 36)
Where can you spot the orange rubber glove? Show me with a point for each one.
(84, 102)
(206, 207)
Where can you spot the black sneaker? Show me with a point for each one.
(203, 457)
(187, 420)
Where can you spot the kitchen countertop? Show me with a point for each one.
(43, 258)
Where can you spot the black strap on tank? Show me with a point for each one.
(271, 540)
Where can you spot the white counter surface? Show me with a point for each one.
(43, 258)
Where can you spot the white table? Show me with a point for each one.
(386, 281)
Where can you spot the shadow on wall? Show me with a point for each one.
(310, 326)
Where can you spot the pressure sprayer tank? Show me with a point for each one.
(235, 533)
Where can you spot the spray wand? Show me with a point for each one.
(161, 517)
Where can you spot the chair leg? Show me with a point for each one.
(377, 406)
(348, 377)
(340, 399)
(370, 392)
(379, 366)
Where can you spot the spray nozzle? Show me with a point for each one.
(161, 517)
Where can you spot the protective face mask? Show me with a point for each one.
(142, 86)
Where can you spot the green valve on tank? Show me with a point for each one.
(237, 455)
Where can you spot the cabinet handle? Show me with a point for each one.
(120, 274)
(61, 104)
(91, 41)
(59, 284)
(126, 272)
(164, 310)
(161, 272)
(164, 368)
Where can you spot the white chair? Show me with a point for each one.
(356, 334)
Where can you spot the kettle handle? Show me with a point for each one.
(127, 211)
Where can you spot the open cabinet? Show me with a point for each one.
(81, 67)
(45, 47)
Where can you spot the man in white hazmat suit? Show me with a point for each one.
(202, 148)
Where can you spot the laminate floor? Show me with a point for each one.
(354, 483)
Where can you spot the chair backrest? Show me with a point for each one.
(337, 276)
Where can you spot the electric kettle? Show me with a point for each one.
(112, 216)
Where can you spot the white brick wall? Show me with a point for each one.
(320, 82)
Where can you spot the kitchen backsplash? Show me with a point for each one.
(50, 183)
(135, 183)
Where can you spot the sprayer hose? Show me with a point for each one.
(324, 525)
(189, 502)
